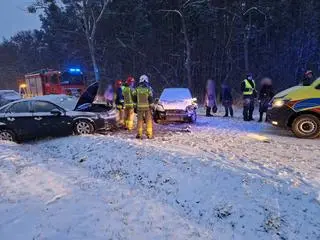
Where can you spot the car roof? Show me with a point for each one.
(28, 100)
(176, 89)
(7, 91)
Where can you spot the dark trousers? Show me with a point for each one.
(248, 107)
(209, 109)
(228, 110)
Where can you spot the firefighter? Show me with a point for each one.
(128, 103)
(248, 88)
(119, 101)
(143, 98)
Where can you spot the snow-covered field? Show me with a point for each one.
(223, 179)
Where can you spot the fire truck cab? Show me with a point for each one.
(48, 81)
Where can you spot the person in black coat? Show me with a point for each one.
(265, 96)
(308, 78)
(227, 100)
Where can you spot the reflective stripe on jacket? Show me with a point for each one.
(142, 95)
(249, 89)
(127, 95)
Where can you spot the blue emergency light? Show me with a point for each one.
(75, 70)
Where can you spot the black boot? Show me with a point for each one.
(208, 114)
(231, 112)
(245, 114)
(227, 112)
(261, 116)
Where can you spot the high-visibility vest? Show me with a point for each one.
(127, 94)
(249, 88)
(143, 94)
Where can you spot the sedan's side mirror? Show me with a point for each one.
(56, 112)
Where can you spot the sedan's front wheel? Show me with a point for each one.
(7, 135)
(83, 127)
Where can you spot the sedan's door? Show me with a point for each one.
(20, 120)
(52, 119)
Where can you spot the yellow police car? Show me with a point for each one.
(298, 108)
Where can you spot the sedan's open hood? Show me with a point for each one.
(88, 95)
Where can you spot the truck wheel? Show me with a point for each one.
(7, 135)
(83, 127)
(306, 126)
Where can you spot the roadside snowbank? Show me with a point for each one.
(213, 182)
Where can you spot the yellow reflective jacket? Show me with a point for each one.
(142, 96)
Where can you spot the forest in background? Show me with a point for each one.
(178, 43)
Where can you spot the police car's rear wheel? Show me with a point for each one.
(306, 126)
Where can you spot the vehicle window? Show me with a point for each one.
(68, 78)
(54, 79)
(21, 107)
(40, 106)
(318, 87)
(175, 94)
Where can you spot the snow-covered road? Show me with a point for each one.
(224, 179)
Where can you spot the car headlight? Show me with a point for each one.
(279, 103)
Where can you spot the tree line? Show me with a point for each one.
(177, 43)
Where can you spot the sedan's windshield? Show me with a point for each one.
(175, 94)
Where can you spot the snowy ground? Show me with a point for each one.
(223, 180)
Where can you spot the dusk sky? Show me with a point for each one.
(14, 18)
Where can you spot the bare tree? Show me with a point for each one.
(186, 42)
(90, 14)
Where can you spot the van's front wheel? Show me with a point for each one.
(306, 126)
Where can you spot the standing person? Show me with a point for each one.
(143, 98)
(265, 96)
(308, 78)
(119, 101)
(210, 98)
(108, 95)
(227, 100)
(128, 103)
(248, 88)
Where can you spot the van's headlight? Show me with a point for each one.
(279, 103)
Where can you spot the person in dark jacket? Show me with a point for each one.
(119, 101)
(265, 96)
(210, 102)
(248, 88)
(227, 100)
(308, 78)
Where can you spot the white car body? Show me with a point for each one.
(176, 104)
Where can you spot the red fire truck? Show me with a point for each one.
(48, 81)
